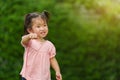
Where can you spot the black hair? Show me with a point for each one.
(28, 19)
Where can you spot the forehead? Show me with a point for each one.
(38, 20)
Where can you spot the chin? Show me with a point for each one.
(44, 36)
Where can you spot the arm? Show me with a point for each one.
(55, 66)
(27, 37)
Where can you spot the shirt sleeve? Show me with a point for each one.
(52, 51)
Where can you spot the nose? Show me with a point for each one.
(41, 28)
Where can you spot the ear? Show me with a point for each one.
(29, 30)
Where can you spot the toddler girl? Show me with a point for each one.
(39, 53)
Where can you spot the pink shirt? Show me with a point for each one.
(37, 56)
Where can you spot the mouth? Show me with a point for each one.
(42, 33)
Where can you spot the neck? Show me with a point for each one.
(41, 39)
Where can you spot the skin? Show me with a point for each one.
(38, 31)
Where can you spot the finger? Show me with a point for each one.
(35, 36)
(32, 36)
(58, 78)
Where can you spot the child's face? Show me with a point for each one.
(39, 26)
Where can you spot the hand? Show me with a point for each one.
(58, 76)
(32, 35)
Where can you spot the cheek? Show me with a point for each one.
(46, 29)
(36, 30)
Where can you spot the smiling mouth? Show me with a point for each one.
(42, 32)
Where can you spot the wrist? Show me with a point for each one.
(58, 72)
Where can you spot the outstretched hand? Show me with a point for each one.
(32, 35)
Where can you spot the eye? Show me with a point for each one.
(45, 25)
(38, 26)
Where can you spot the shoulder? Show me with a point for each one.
(33, 43)
(49, 43)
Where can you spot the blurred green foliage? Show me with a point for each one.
(85, 34)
